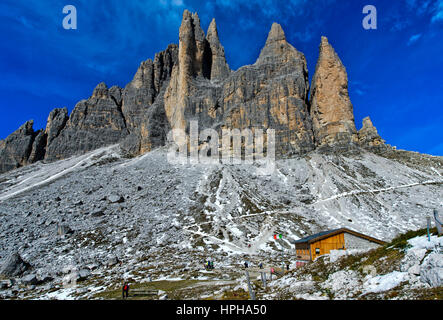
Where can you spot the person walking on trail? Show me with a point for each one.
(260, 265)
(125, 291)
(246, 264)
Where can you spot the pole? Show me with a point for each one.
(429, 226)
(251, 292)
(438, 223)
(263, 279)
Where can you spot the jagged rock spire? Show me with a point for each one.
(219, 68)
(276, 34)
(368, 135)
(16, 148)
(277, 49)
(101, 91)
(193, 48)
(56, 122)
(174, 88)
(331, 108)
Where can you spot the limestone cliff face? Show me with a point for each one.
(145, 120)
(219, 67)
(93, 123)
(272, 93)
(331, 108)
(56, 122)
(192, 81)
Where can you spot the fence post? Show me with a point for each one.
(428, 219)
(251, 292)
(438, 223)
(263, 279)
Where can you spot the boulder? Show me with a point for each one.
(431, 271)
(14, 266)
(30, 279)
(98, 213)
(114, 198)
(112, 261)
(83, 274)
(413, 257)
(64, 230)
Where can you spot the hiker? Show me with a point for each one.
(125, 292)
(260, 265)
(246, 264)
(212, 265)
(287, 266)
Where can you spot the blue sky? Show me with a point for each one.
(395, 72)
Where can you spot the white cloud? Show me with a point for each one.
(438, 12)
(433, 8)
(414, 39)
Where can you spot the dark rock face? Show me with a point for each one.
(56, 122)
(93, 123)
(193, 82)
(219, 67)
(17, 147)
(142, 103)
(14, 266)
(38, 147)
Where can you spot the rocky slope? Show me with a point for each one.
(163, 220)
(408, 268)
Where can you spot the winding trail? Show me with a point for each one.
(357, 192)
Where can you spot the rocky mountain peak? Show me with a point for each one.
(198, 31)
(277, 50)
(193, 81)
(101, 91)
(367, 124)
(212, 31)
(276, 34)
(56, 122)
(26, 128)
(17, 147)
(368, 135)
(219, 67)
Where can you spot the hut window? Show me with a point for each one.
(317, 250)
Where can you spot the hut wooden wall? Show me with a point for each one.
(335, 242)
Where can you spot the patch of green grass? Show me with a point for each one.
(239, 294)
(386, 258)
(428, 293)
(401, 241)
(170, 287)
(319, 270)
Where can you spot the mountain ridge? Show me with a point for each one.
(193, 81)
